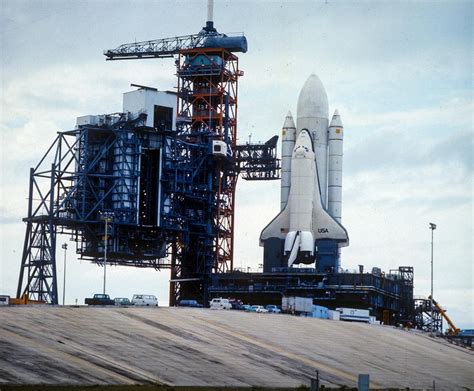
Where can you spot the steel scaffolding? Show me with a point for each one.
(85, 172)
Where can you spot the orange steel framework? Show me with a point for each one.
(207, 110)
(213, 102)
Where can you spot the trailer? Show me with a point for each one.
(354, 315)
(297, 305)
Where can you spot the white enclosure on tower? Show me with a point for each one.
(159, 106)
(335, 145)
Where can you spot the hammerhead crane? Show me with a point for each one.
(208, 37)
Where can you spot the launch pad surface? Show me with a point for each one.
(200, 347)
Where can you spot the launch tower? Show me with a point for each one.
(163, 173)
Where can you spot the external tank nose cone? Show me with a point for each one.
(313, 100)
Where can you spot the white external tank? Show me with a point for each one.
(288, 143)
(335, 150)
(313, 114)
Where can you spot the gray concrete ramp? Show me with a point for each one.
(199, 347)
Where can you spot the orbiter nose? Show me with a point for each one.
(304, 141)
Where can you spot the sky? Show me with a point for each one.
(400, 73)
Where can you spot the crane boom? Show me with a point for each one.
(453, 330)
(158, 48)
(168, 47)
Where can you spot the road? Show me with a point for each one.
(200, 347)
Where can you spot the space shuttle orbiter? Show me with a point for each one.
(304, 220)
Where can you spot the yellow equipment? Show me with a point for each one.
(25, 300)
(453, 330)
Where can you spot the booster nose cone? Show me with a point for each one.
(313, 100)
(336, 120)
(289, 123)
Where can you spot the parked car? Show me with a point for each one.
(99, 299)
(247, 307)
(220, 304)
(122, 301)
(236, 304)
(273, 309)
(259, 308)
(145, 300)
(189, 303)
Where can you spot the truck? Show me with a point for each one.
(297, 305)
(99, 299)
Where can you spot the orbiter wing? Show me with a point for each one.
(278, 227)
(324, 227)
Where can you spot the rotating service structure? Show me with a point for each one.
(107, 165)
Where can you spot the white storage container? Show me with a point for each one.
(295, 304)
(334, 315)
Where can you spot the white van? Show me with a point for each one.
(220, 304)
(145, 300)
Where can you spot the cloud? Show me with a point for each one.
(400, 73)
(404, 141)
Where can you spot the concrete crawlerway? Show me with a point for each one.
(184, 346)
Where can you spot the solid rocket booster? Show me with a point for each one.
(287, 145)
(336, 134)
(313, 114)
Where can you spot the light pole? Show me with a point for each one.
(64, 247)
(107, 216)
(432, 227)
